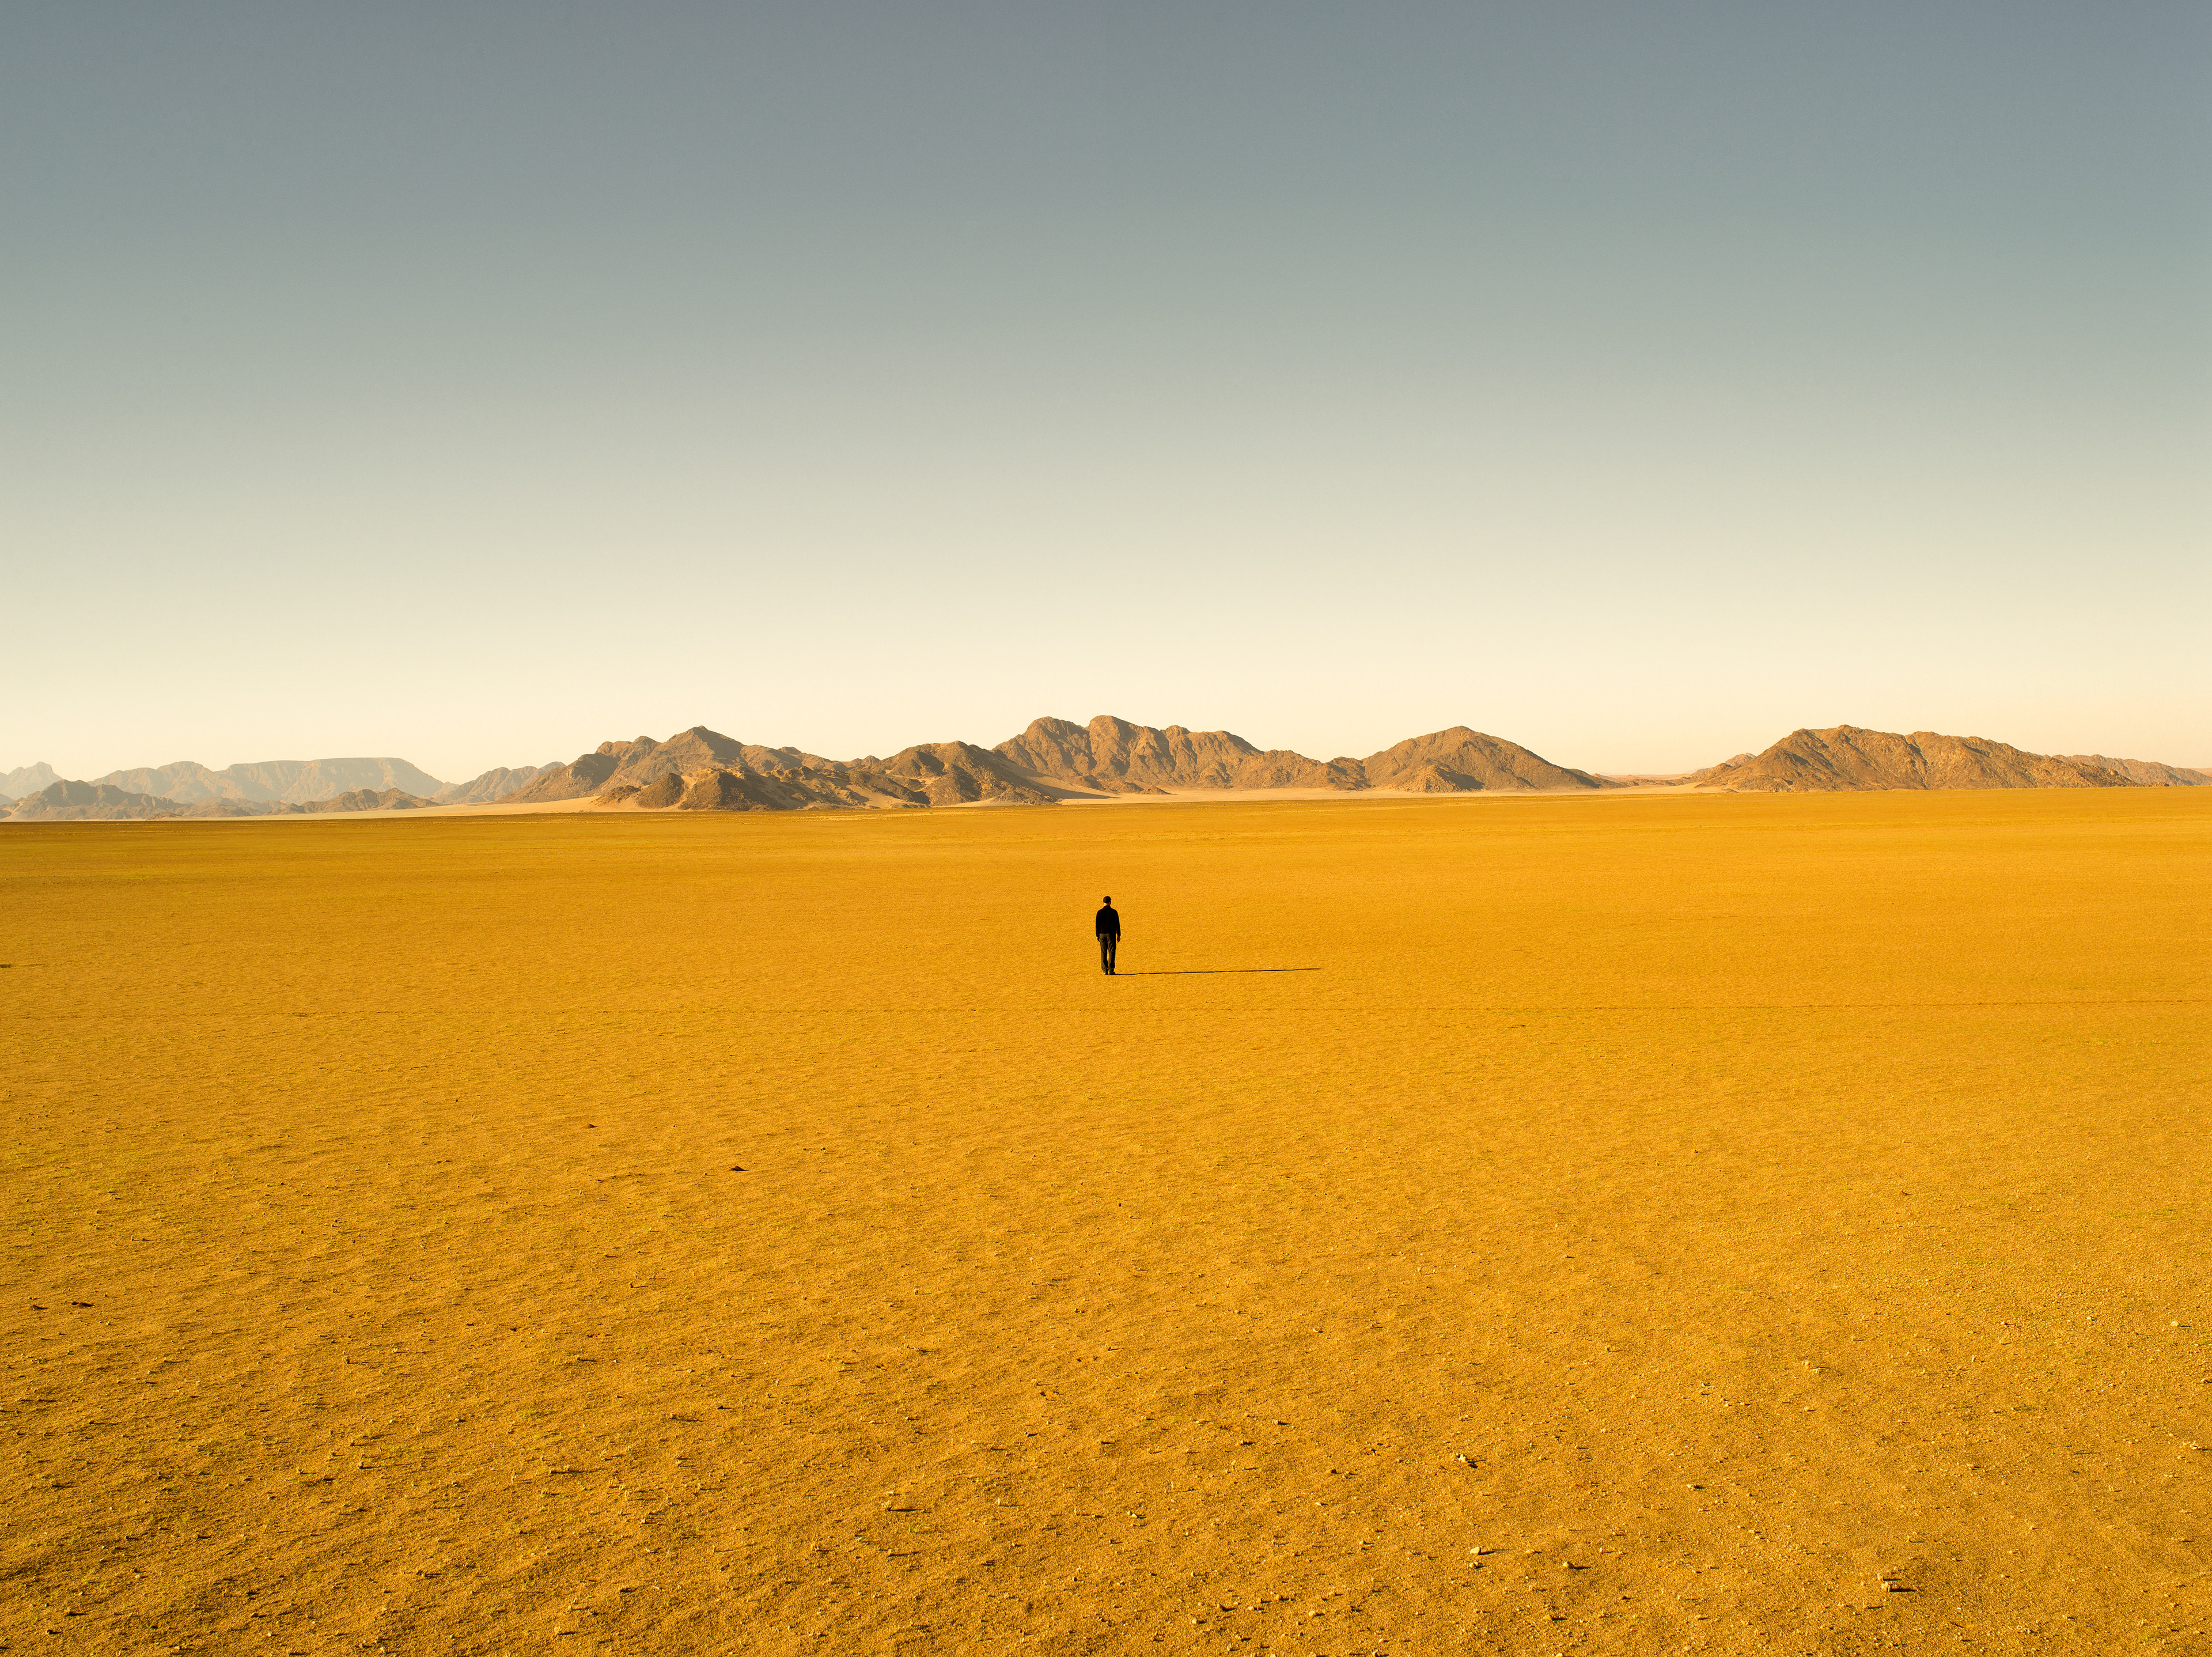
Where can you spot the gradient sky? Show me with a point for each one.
(477, 383)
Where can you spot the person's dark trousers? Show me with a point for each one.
(1106, 942)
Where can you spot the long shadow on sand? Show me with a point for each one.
(1207, 971)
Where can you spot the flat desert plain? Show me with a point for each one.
(1718, 1223)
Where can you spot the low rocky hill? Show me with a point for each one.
(1461, 761)
(370, 800)
(75, 801)
(1845, 757)
(2145, 773)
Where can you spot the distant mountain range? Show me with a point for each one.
(1052, 760)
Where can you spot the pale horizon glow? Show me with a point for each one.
(475, 387)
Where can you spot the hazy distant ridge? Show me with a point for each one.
(73, 802)
(27, 779)
(292, 781)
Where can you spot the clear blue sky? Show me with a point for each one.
(475, 383)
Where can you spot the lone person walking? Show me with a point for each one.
(1109, 934)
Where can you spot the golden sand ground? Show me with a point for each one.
(1793, 1210)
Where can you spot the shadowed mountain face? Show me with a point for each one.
(1845, 756)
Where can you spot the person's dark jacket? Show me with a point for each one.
(1109, 923)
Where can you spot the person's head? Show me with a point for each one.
(1106, 899)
